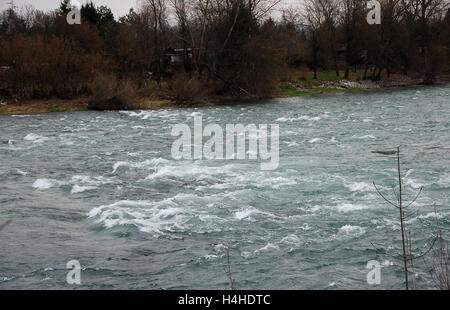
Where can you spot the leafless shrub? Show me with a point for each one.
(440, 271)
(110, 94)
(185, 89)
(440, 262)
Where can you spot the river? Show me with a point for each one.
(102, 188)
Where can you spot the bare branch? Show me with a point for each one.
(387, 200)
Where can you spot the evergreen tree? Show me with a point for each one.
(65, 6)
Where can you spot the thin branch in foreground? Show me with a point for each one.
(227, 270)
(5, 224)
(382, 196)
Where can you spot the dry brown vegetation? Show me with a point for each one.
(187, 89)
(224, 48)
(110, 94)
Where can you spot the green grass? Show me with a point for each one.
(310, 86)
(286, 91)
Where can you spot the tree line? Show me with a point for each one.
(229, 47)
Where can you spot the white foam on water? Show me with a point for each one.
(193, 114)
(35, 138)
(145, 164)
(21, 172)
(217, 186)
(291, 240)
(360, 187)
(246, 214)
(42, 184)
(146, 114)
(282, 119)
(191, 169)
(268, 247)
(305, 227)
(300, 118)
(85, 179)
(347, 207)
(80, 189)
(315, 140)
(291, 143)
(157, 217)
(415, 184)
(312, 209)
(5, 279)
(434, 215)
(366, 137)
(25, 115)
(274, 182)
(210, 257)
(309, 118)
(444, 180)
(350, 230)
(246, 254)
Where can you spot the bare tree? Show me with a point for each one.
(351, 19)
(158, 22)
(315, 16)
(407, 256)
(440, 268)
(423, 14)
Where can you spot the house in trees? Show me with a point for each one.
(176, 59)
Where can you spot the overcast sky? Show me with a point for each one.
(119, 7)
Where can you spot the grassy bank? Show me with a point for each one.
(59, 105)
(296, 85)
(287, 91)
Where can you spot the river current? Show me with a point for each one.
(102, 188)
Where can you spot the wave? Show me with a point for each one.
(350, 230)
(300, 118)
(315, 140)
(76, 189)
(144, 115)
(246, 214)
(42, 184)
(347, 207)
(151, 163)
(360, 187)
(32, 137)
(366, 137)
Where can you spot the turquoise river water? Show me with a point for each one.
(102, 188)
